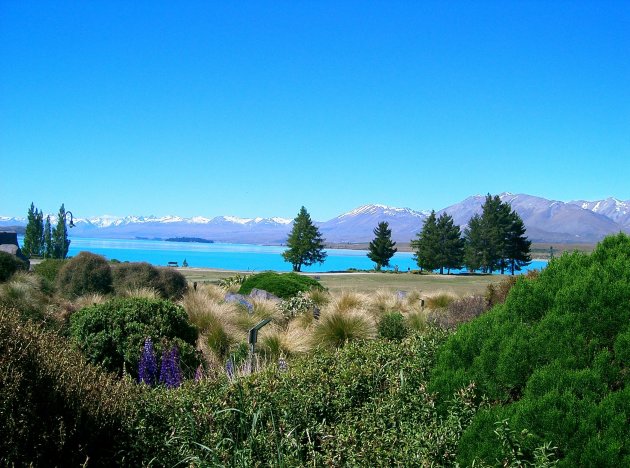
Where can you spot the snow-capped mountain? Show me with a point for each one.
(358, 225)
(545, 220)
(617, 210)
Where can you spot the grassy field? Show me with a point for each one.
(460, 285)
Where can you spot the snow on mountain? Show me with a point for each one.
(617, 210)
(358, 225)
(545, 220)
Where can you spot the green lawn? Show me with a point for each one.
(460, 285)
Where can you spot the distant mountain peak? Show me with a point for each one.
(377, 209)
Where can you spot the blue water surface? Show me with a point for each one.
(242, 257)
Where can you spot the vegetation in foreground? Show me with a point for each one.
(541, 379)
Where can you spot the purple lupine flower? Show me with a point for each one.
(282, 365)
(229, 368)
(170, 372)
(147, 367)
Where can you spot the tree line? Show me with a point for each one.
(494, 240)
(43, 240)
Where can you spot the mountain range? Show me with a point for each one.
(576, 221)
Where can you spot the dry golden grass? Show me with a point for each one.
(140, 292)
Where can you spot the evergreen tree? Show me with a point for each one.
(47, 244)
(39, 232)
(382, 248)
(60, 241)
(305, 243)
(450, 245)
(473, 244)
(517, 246)
(425, 246)
(33, 234)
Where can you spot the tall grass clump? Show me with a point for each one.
(336, 328)
(553, 360)
(24, 293)
(439, 300)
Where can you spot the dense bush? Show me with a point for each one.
(392, 326)
(49, 269)
(369, 407)
(283, 285)
(55, 409)
(112, 334)
(173, 284)
(168, 283)
(9, 264)
(135, 275)
(554, 361)
(24, 293)
(84, 274)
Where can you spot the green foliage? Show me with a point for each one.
(234, 280)
(392, 326)
(425, 245)
(305, 243)
(55, 409)
(496, 240)
(24, 293)
(382, 249)
(369, 408)
(34, 233)
(336, 329)
(9, 264)
(59, 240)
(554, 358)
(439, 244)
(173, 284)
(298, 304)
(167, 282)
(283, 285)
(84, 274)
(112, 334)
(49, 269)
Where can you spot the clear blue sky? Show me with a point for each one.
(256, 108)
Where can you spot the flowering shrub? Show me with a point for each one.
(234, 280)
(298, 304)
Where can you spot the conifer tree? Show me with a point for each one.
(425, 246)
(39, 224)
(47, 243)
(473, 244)
(382, 249)
(305, 243)
(60, 241)
(517, 246)
(450, 245)
(33, 234)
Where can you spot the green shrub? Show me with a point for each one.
(112, 334)
(553, 358)
(9, 264)
(363, 405)
(49, 269)
(135, 275)
(173, 284)
(392, 326)
(167, 282)
(283, 285)
(55, 408)
(84, 274)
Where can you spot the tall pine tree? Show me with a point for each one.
(425, 246)
(450, 245)
(517, 246)
(305, 243)
(34, 233)
(60, 241)
(473, 244)
(47, 244)
(382, 249)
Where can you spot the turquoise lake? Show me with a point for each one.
(244, 257)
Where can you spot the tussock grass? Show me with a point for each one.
(320, 297)
(417, 320)
(141, 292)
(439, 300)
(338, 327)
(24, 293)
(88, 300)
(347, 300)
